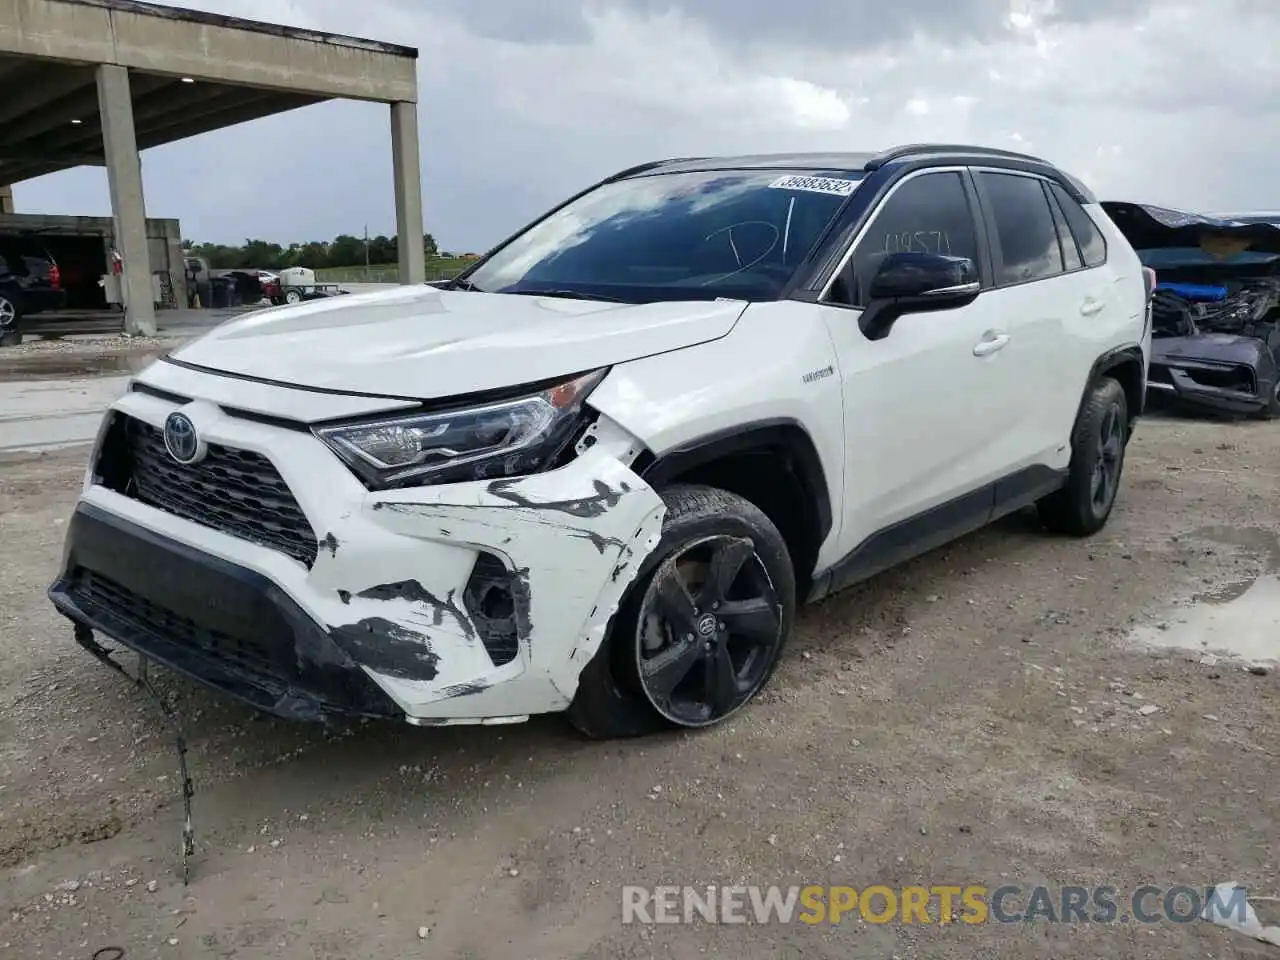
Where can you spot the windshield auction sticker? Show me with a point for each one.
(840, 188)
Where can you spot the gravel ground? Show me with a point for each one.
(973, 717)
(82, 356)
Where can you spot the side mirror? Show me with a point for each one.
(917, 283)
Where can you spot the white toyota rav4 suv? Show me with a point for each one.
(598, 472)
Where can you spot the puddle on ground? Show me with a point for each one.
(1238, 622)
(63, 366)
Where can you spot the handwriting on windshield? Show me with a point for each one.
(918, 241)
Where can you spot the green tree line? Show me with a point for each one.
(341, 251)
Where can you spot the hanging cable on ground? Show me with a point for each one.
(84, 637)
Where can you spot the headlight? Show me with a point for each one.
(470, 443)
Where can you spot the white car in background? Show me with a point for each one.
(599, 471)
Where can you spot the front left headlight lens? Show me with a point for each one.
(503, 439)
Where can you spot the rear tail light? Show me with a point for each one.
(55, 276)
(1149, 276)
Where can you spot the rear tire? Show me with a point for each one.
(1083, 504)
(10, 321)
(663, 651)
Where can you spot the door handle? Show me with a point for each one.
(1092, 306)
(992, 343)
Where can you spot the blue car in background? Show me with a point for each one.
(1216, 307)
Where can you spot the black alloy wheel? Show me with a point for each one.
(1109, 457)
(709, 632)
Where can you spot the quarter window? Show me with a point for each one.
(1092, 246)
(1025, 234)
(926, 214)
(1070, 252)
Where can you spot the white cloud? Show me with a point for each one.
(1175, 105)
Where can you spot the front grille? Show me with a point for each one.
(237, 492)
(150, 623)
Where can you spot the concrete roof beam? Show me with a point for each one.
(59, 114)
(38, 84)
(171, 41)
(152, 112)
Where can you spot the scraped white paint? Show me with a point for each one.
(1245, 628)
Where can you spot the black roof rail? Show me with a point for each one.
(962, 149)
(648, 165)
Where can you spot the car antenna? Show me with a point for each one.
(84, 637)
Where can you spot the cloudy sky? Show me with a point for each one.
(1165, 101)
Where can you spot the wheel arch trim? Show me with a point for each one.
(777, 432)
(1112, 360)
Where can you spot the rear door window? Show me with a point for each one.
(1026, 243)
(1092, 245)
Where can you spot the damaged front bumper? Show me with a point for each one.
(464, 603)
(1220, 372)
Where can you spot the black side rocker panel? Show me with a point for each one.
(937, 526)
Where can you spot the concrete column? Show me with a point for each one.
(124, 177)
(6, 199)
(407, 171)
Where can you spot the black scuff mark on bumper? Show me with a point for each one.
(584, 508)
(624, 561)
(415, 592)
(437, 511)
(599, 541)
(465, 689)
(388, 648)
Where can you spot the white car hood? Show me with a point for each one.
(422, 342)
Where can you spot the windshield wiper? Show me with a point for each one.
(461, 284)
(566, 295)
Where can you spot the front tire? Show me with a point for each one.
(702, 628)
(1098, 443)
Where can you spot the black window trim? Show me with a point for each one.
(1063, 228)
(985, 266)
(988, 215)
(1106, 247)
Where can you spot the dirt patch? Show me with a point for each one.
(973, 717)
(82, 357)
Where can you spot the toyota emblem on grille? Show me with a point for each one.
(181, 439)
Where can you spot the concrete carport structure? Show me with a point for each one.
(95, 81)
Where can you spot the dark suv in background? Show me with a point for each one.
(29, 283)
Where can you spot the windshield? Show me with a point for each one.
(738, 234)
